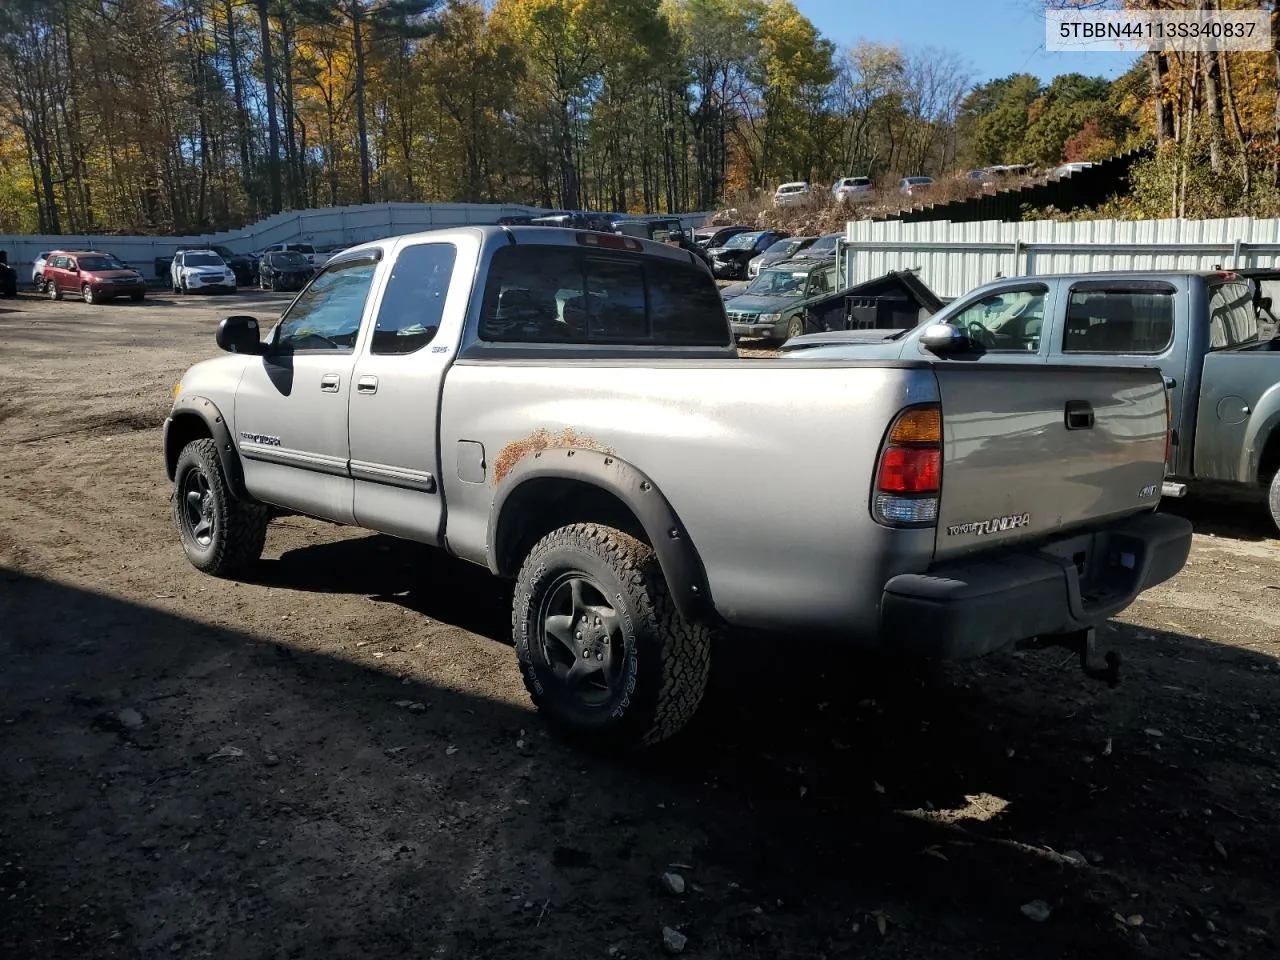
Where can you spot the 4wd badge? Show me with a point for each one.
(1148, 491)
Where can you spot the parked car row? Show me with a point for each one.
(800, 193)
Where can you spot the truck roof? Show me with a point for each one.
(533, 235)
(1106, 275)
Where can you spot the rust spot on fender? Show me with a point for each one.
(539, 440)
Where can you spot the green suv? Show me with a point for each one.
(773, 306)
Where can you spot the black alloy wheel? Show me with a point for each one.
(581, 643)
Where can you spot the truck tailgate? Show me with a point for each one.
(1031, 450)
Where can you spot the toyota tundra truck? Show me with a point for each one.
(567, 409)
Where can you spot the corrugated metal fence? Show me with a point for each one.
(331, 225)
(955, 257)
(1085, 188)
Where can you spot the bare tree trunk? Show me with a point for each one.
(1237, 128)
(1275, 56)
(1213, 107)
(1157, 68)
(237, 92)
(273, 122)
(292, 155)
(362, 128)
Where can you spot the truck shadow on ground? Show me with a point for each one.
(837, 783)
(1237, 517)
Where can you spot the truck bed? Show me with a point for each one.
(771, 465)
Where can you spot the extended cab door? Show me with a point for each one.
(1129, 323)
(291, 406)
(398, 379)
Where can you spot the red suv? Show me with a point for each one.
(91, 275)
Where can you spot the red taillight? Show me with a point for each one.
(909, 474)
(910, 470)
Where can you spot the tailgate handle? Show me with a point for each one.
(1079, 415)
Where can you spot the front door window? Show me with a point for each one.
(326, 316)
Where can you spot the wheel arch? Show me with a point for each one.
(549, 489)
(197, 418)
(1260, 453)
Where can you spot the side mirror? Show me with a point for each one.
(943, 339)
(239, 335)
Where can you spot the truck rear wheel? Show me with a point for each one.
(606, 657)
(1273, 500)
(220, 534)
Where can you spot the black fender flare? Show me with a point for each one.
(677, 556)
(191, 405)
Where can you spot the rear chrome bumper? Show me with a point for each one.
(973, 607)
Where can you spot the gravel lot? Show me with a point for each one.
(337, 759)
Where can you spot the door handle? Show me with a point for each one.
(1079, 415)
(329, 382)
(367, 385)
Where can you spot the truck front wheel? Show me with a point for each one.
(220, 534)
(605, 656)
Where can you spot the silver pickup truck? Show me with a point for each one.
(568, 409)
(1200, 328)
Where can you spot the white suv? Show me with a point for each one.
(852, 189)
(792, 195)
(194, 270)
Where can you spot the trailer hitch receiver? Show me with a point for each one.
(1083, 643)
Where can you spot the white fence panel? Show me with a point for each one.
(953, 258)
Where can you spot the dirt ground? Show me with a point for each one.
(337, 759)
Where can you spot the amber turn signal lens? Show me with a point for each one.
(921, 425)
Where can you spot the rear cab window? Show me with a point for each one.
(546, 294)
(1233, 320)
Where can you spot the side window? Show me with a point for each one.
(1232, 317)
(1118, 321)
(326, 315)
(1005, 322)
(70, 263)
(412, 304)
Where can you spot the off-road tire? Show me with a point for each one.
(240, 527)
(53, 291)
(1273, 500)
(666, 659)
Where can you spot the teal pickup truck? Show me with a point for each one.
(773, 306)
(1202, 330)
